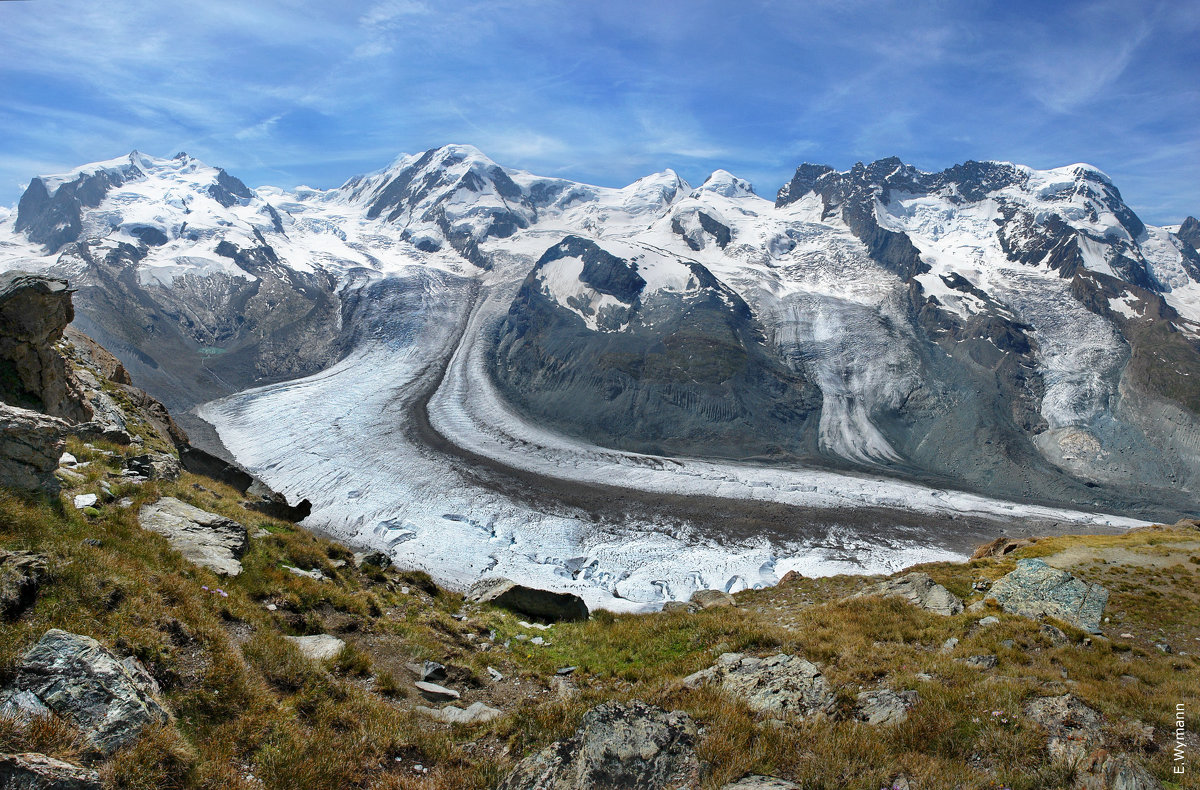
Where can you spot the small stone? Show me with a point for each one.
(675, 606)
(85, 500)
(436, 693)
(989, 621)
(950, 644)
(66, 459)
(428, 670)
(885, 706)
(1163, 647)
(537, 640)
(93, 542)
(566, 670)
(495, 675)
(1127, 636)
(314, 574)
(1008, 643)
(271, 607)
(982, 662)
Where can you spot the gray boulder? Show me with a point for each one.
(1104, 771)
(21, 574)
(435, 693)
(1073, 729)
(529, 601)
(780, 685)
(204, 538)
(919, 590)
(621, 746)
(32, 771)
(712, 599)
(30, 446)
(884, 706)
(1037, 590)
(761, 783)
(154, 466)
(75, 677)
(320, 647)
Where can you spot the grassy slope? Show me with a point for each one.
(250, 712)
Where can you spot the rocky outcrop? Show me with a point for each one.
(208, 540)
(261, 497)
(21, 574)
(781, 685)
(884, 706)
(1001, 547)
(76, 678)
(320, 647)
(30, 446)
(38, 772)
(919, 590)
(1037, 590)
(1075, 737)
(530, 601)
(618, 745)
(154, 466)
(34, 311)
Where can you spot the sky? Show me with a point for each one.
(287, 92)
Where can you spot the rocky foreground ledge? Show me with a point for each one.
(169, 629)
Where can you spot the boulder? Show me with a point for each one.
(919, 590)
(884, 706)
(320, 647)
(32, 771)
(30, 446)
(676, 606)
(1001, 547)
(427, 670)
(21, 574)
(75, 677)
(623, 746)
(530, 601)
(1037, 590)
(780, 685)
(154, 466)
(34, 311)
(712, 599)
(372, 559)
(477, 713)
(761, 783)
(209, 540)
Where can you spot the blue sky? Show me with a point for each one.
(285, 92)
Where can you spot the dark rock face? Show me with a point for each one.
(57, 219)
(621, 746)
(228, 190)
(529, 601)
(1189, 232)
(76, 678)
(670, 372)
(34, 311)
(21, 574)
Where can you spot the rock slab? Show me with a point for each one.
(761, 783)
(32, 771)
(476, 713)
(204, 538)
(620, 746)
(919, 590)
(75, 677)
(543, 604)
(884, 706)
(1037, 590)
(780, 685)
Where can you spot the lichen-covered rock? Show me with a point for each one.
(618, 746)
(712, 599)
(780, 685)
(75, 677)
(209, 540)
(919, 590)
(476, 713)
(1104, 771)
(543, 604)
(884, 706)
(21, 574)
(1036, 590)
(30, 446)
(34, 311)
(32, 771)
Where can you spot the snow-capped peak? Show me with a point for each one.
(726, 184)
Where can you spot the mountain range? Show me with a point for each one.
(643, 391)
